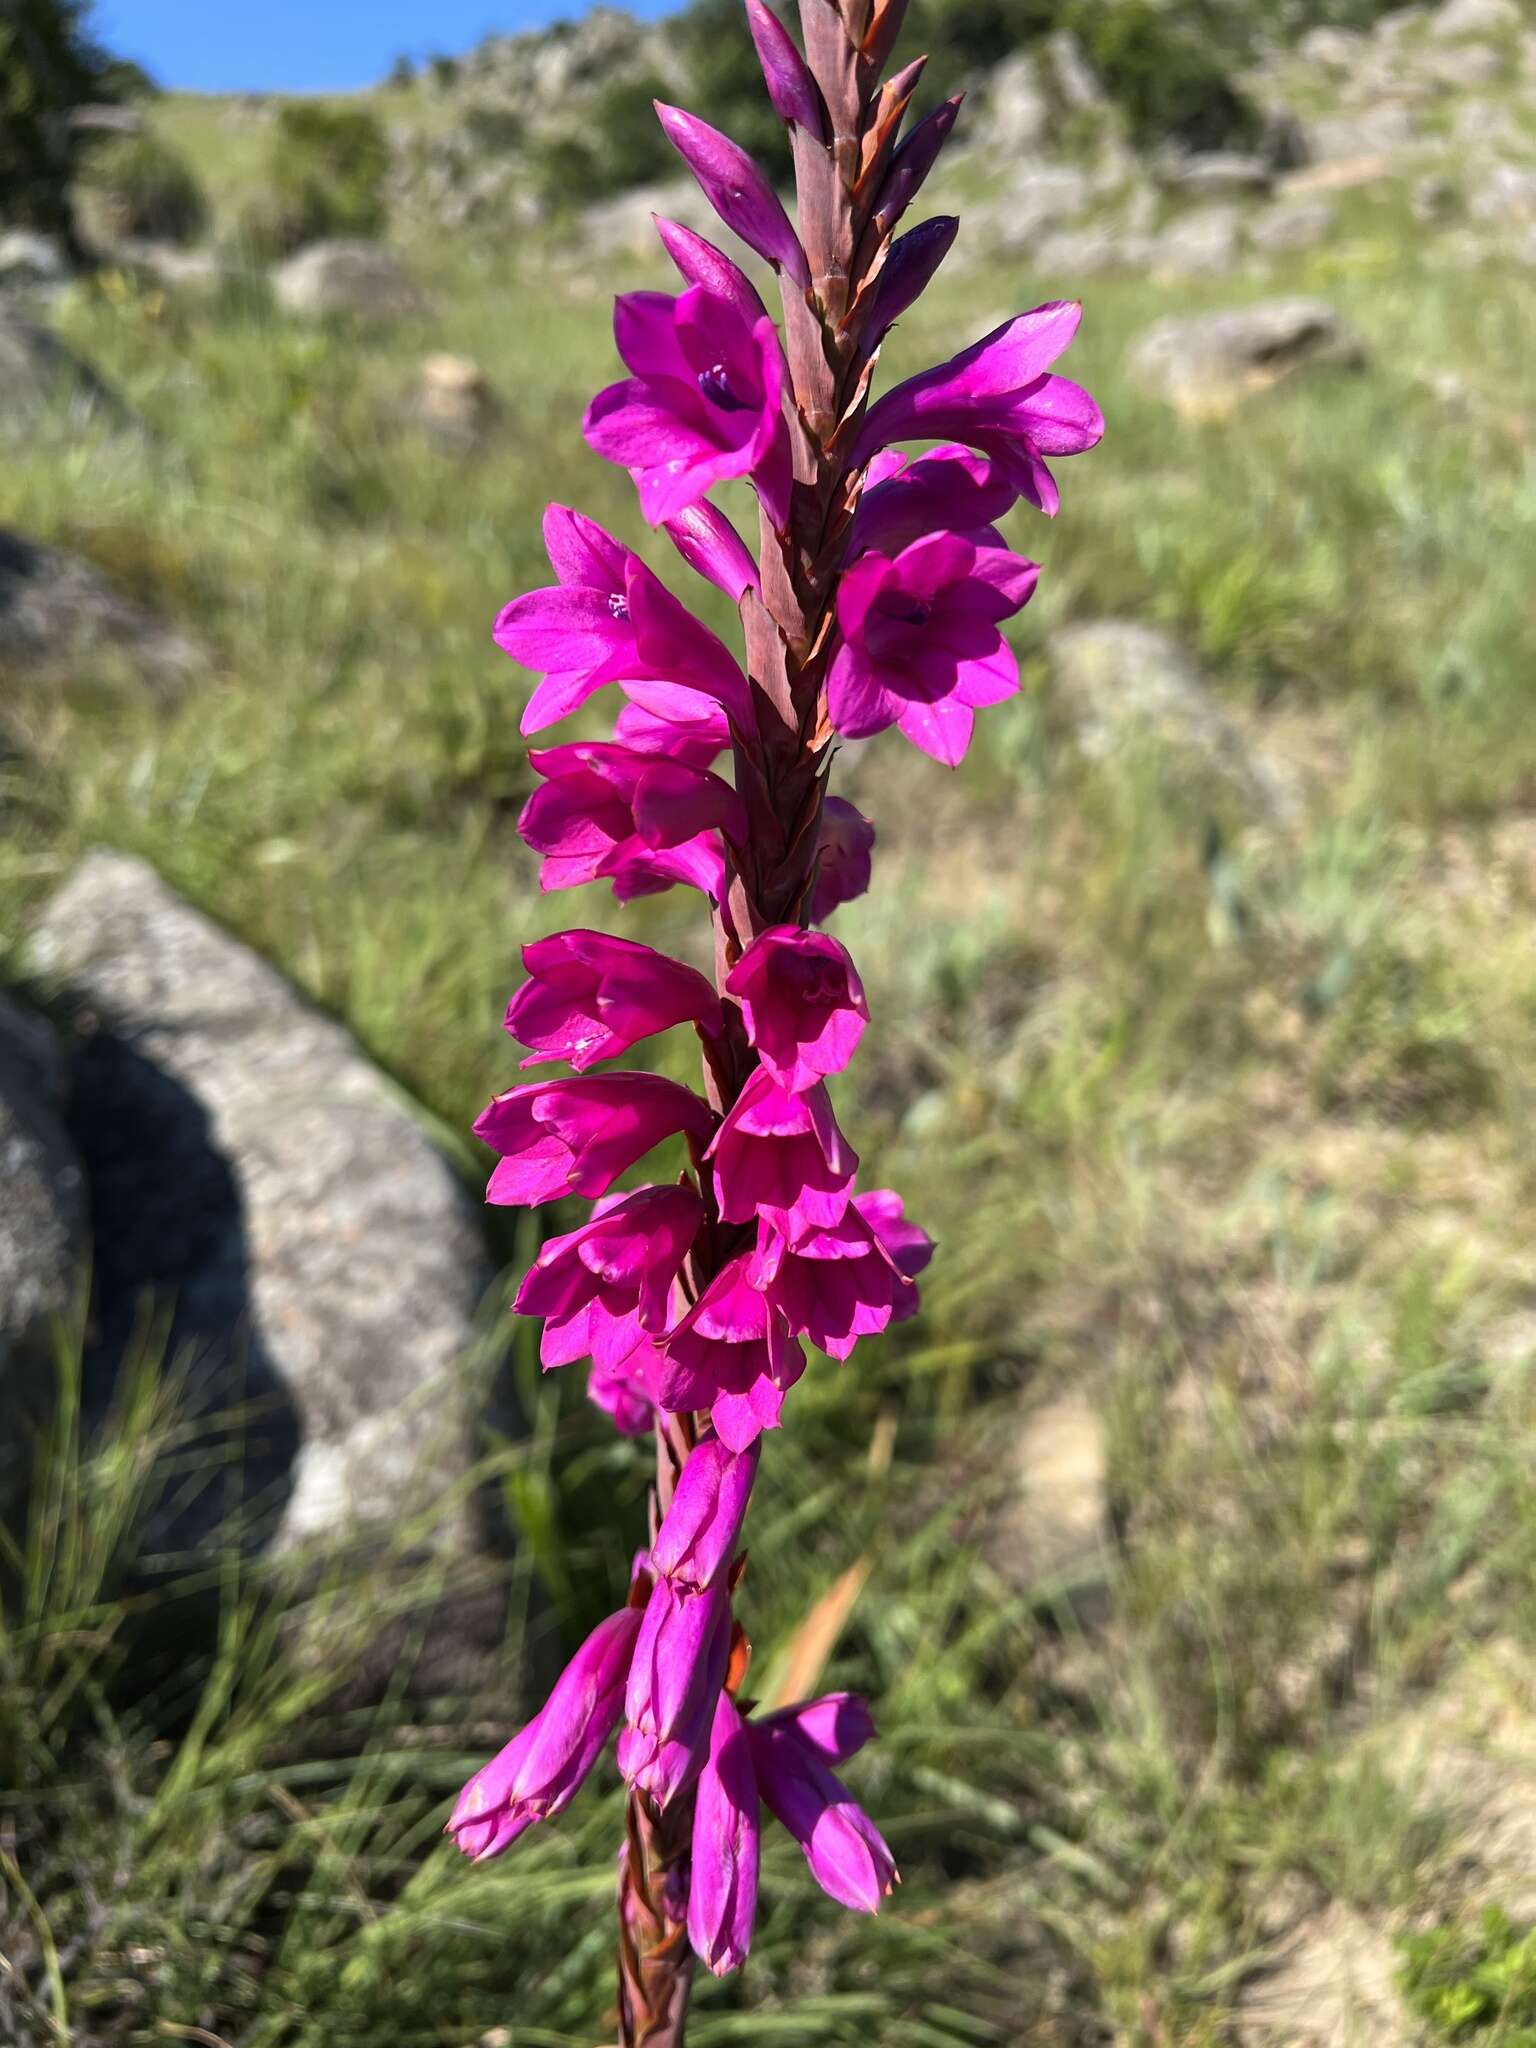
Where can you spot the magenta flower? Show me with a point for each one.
(836, 1285)
(624, 1387)
(699, 262)
(781, 1156)
(703, 402)
(836, 1726)
(733, 1355)
(948, 489)
(847, 1854)
(576, 1137)
(700, 1530)
(921, 646)
(590, 997)
(745, 1759)
(802, 1001)
(843, 848)
(675, 1676)
(540, 1770)
(713, 549)
(609, 620)
(736, 189)
(637, 820)
(996, 396)
(908, 1248)
(621, 1262)
(665, 718)
(722, 1902)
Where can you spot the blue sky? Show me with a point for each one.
(306, 45)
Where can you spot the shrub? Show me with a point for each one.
(1164, 74)
(327, 178)
(48, 66)
(142, 188)
(621, 145)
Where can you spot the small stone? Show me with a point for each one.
(42, 1228)
(361, 280)
(56, 611)
(45, 385)
(1207, 364)
(28, 258)
(1386, 129)
(1124, 680)
(1299, 224)
(1017, 113)
(453, 399)
(1219, 174)
(1038, 200)
(1508, 193)
(1457, 18)
(1332, 1985)
(1202, 244)
(1055, 1533)
(1332, 49)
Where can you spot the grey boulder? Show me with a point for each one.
(42, 1227)
(249, 1165)
(1210, 362)
(44, 384)
(57, 610)
(358, 280)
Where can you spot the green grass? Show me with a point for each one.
(1219, 1121)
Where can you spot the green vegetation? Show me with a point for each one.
(1219, 1119)
(1474, 1983)
(141, 187)
(49, 65)
(326, 170)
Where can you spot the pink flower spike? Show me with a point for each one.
(736, 189)
(837, 1726)
(803, 1003)
(790, 85)
(722, 1899)
(921, 642)
(590, 997)
(541, 1769)
(703, 402)
(624, 1259)
(781, 1156)
(639, 820)
(675, 1676)
(699, 1533)
(848, 1857)
(733, 1355)
(996, 395)
(843, 849)
(576, 1137)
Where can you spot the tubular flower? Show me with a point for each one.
(781, 1157)
(541, 1769)
(877, 595)
(996, 396)
(637, 820)
(922, 643)
(576, 1137)
(803, 1004)
(590, 997)
(702, 403)
(732, 1355)
(621, 1263)
(609, 619)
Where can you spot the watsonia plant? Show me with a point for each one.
(876, 598)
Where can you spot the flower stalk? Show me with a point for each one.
(874, 599)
